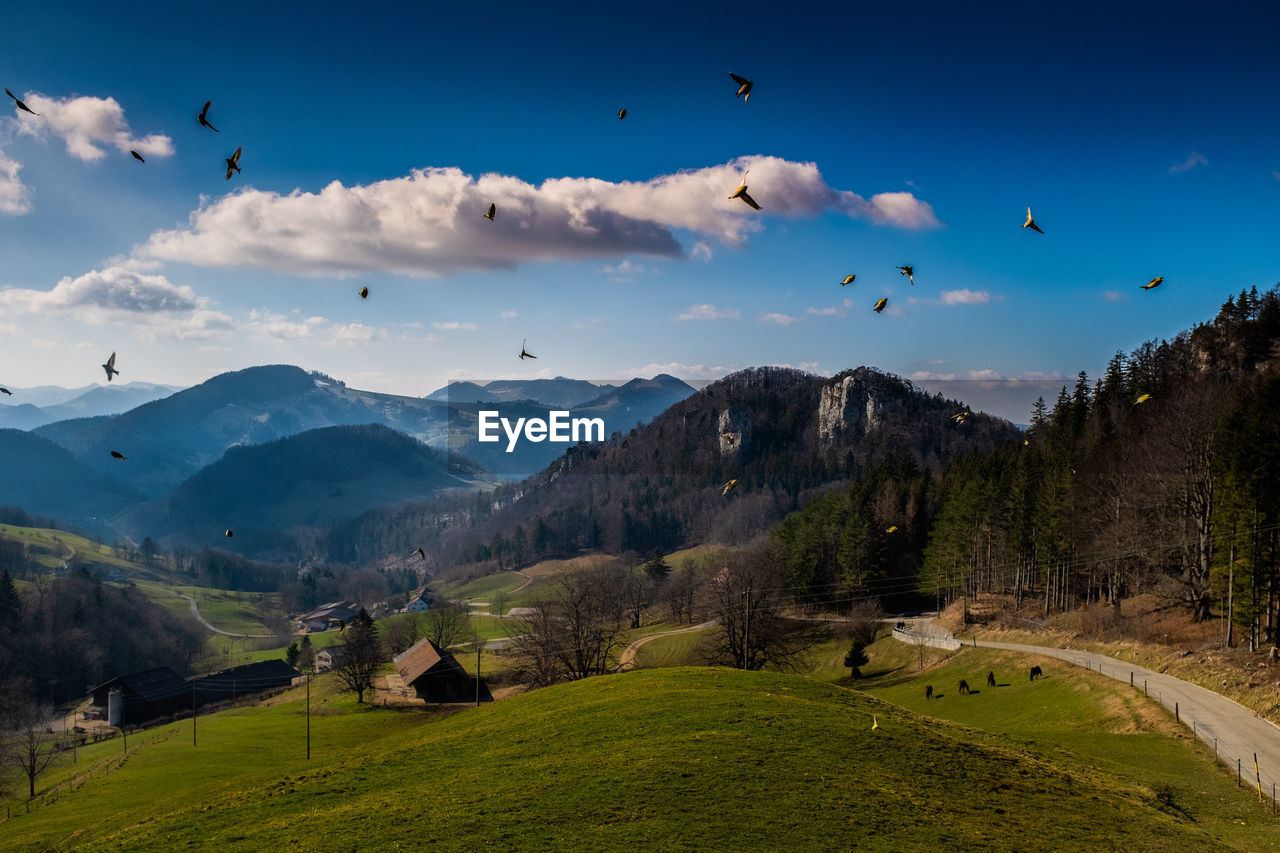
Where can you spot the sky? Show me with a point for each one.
(1145, 140)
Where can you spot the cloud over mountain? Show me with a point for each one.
(432, 222)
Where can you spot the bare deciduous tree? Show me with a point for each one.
(446, 625)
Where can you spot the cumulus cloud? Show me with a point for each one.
(930, 376)
(1193, 159)
(122, 293)
(86, 124)
(986, 375)
(283, 327)
(681, 370)
(780, 319)
(965, 296)
(624, 270)
(509, 315)
(454, 326)
(701, 250)
(706, 311)
(430, 222)
(13, 193)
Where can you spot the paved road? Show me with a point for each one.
(628, 659)
(1238, 732)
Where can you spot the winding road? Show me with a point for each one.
(1235, 733)
(628, 658)
(195, 611)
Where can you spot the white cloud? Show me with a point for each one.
(681, 370)
(930, 376)
(623, 270)
(123, 293)
(708, 312)
(85, 124)
(454, 326)
(987, 375)
(589, 322)
(509, 315)
(830, 311)
(1193, 159)
(701, 250)
(431, 222)
(13, 193)
(1112, 295)
(780, 319)
(351, 334)
(284, 328)
(965, 296)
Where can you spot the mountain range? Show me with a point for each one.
(29, 408)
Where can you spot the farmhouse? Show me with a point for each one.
(435, 676)
(335, 614)
(142, 696)
(326, 658)
(244, 680)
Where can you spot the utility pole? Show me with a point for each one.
(308, 713)
(746, 635)
(193, 713)
(478, 646)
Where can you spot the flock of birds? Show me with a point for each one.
(744, 91)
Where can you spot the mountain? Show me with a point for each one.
(45, 479)
(23, 411)
(780, 433)
(171, 439)
(317, 477)
(560, 392)
(618, 408)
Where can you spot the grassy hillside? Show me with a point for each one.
(676, 759)
(48, 548)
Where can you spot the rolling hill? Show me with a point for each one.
(680, 759)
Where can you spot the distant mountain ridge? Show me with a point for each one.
(29, 408)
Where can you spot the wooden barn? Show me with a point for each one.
(435, 676)
(145, 695)
(245, 680)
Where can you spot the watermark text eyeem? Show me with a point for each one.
(558, 427)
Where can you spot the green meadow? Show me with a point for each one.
(671, 759)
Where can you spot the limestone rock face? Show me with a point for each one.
(734, 426)
(853, 405)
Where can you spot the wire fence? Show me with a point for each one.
(932, 636)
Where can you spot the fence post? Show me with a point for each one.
(1237, 773)
(1144, 687)
(1215, 749)
(1193, 730)
(1176, 718)
(1130, 678)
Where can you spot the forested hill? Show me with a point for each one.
(1162, 475)
(780, 433)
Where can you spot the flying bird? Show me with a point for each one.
(892, 529)
(230, 534)
(729, 438)
(137, 156)
(848, 279)
(1155, 282)
(961, 417)
(204, 117)
(741, 192)
(110, 367)
(729, 487)
(1031, 223)
(21, 105)
(622, 113)
(875, 724)
(116, 454)
(744, 86)
(420, 553)
(910, 273)
(233, 163)
(6, 392)
(1144, 398)
(524, 353)
(493, 211)
(883, 301)
(364, 293)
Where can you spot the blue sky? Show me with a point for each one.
(1145, 141)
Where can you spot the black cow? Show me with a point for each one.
(991, 679)
(963, 687)
(928, 691)
(1036, 672)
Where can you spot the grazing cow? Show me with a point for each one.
(991, 679)
(1035, 671)
(962, 687)
(928, 691)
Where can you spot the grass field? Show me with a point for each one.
(676, 759)
(49, 548)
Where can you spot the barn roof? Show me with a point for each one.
(422, 657)
(153, 685)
